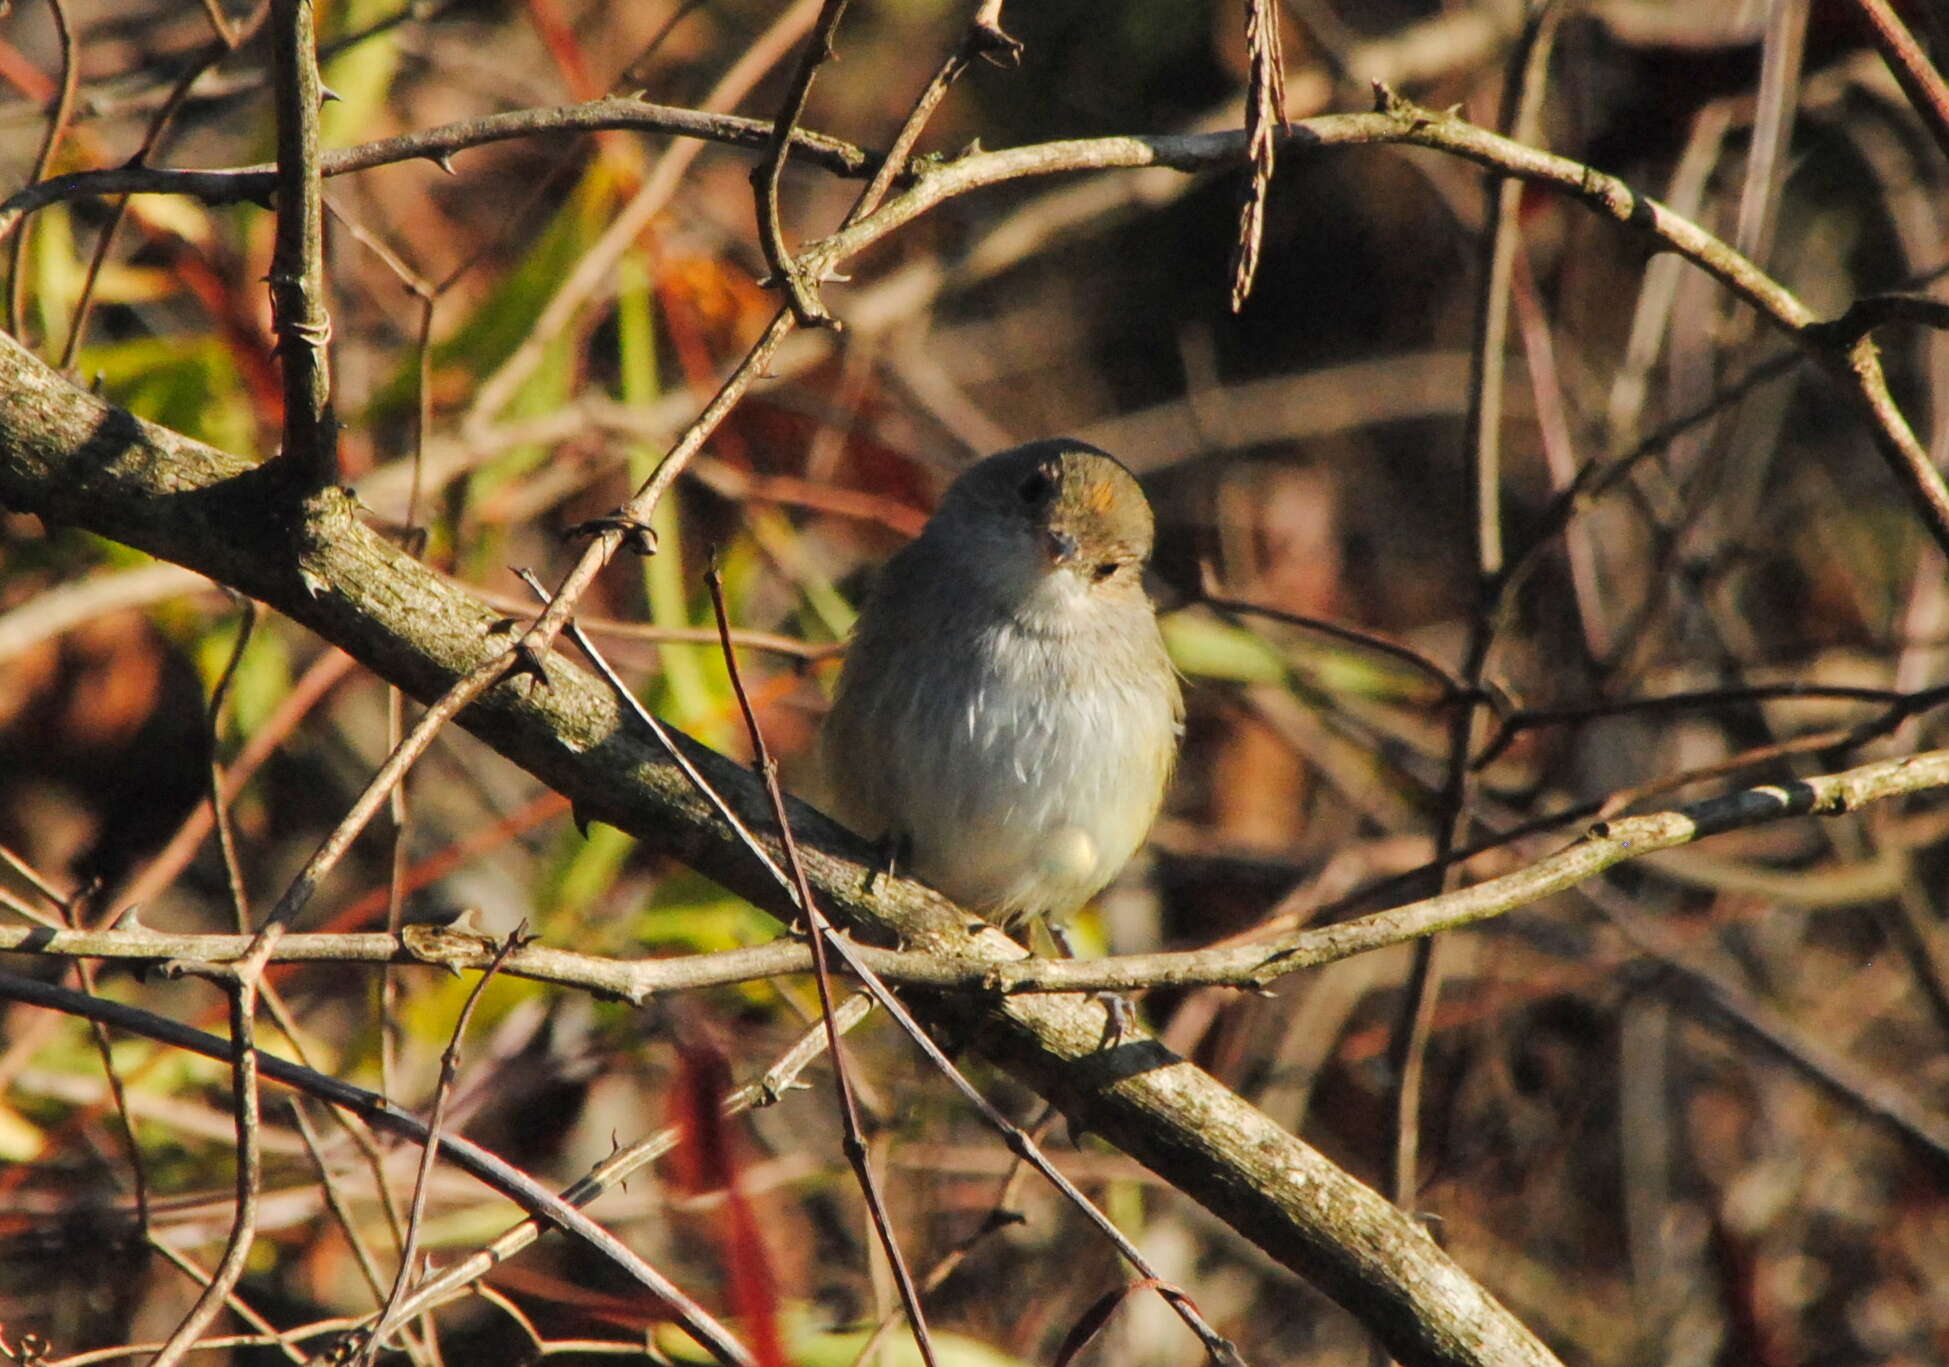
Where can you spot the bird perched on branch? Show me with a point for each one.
(1007, 717)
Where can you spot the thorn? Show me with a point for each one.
(996, 46)
(444, 160)
(528, 662)
(637, 536)
(326, 95)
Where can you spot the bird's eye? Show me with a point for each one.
(1036, 488)
(1104, 570)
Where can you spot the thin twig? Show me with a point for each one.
(219, 809)
(225, 42)
(55, 898)
(324, 674)
(449, 1281)
(1529, 67)
(57, 127)
(334, 846)
(786, 272)
(1001, 1215)
(1919, 79)
(243, 1230)
(1452, 688)
(390, 1313)
(984, 37)
(377, 1111)
(853, 1139)
(335, 1201)
(1018, 1140)
(743, 832)
(1897, 704)
(70, 909)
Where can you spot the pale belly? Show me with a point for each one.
(1015, 795)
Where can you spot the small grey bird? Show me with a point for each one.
(1007, 717)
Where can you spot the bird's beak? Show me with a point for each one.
(1059, 546)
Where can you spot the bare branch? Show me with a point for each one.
(299, 315)
(257, 183)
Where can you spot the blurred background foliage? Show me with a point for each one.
(1628, 1164)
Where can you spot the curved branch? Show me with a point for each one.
(1851, 362)
(437, 145)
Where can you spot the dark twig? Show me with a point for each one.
(1900, 705)
(511, 1182)
(1522, 114)
(787, 273)
(442, 1285)
(159, 127)
(389, 1314)
(333, 847)
(984, 37)
(1452, 688)
(220, 809)
(243, 1059)
(817, 930)
(257, 183)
